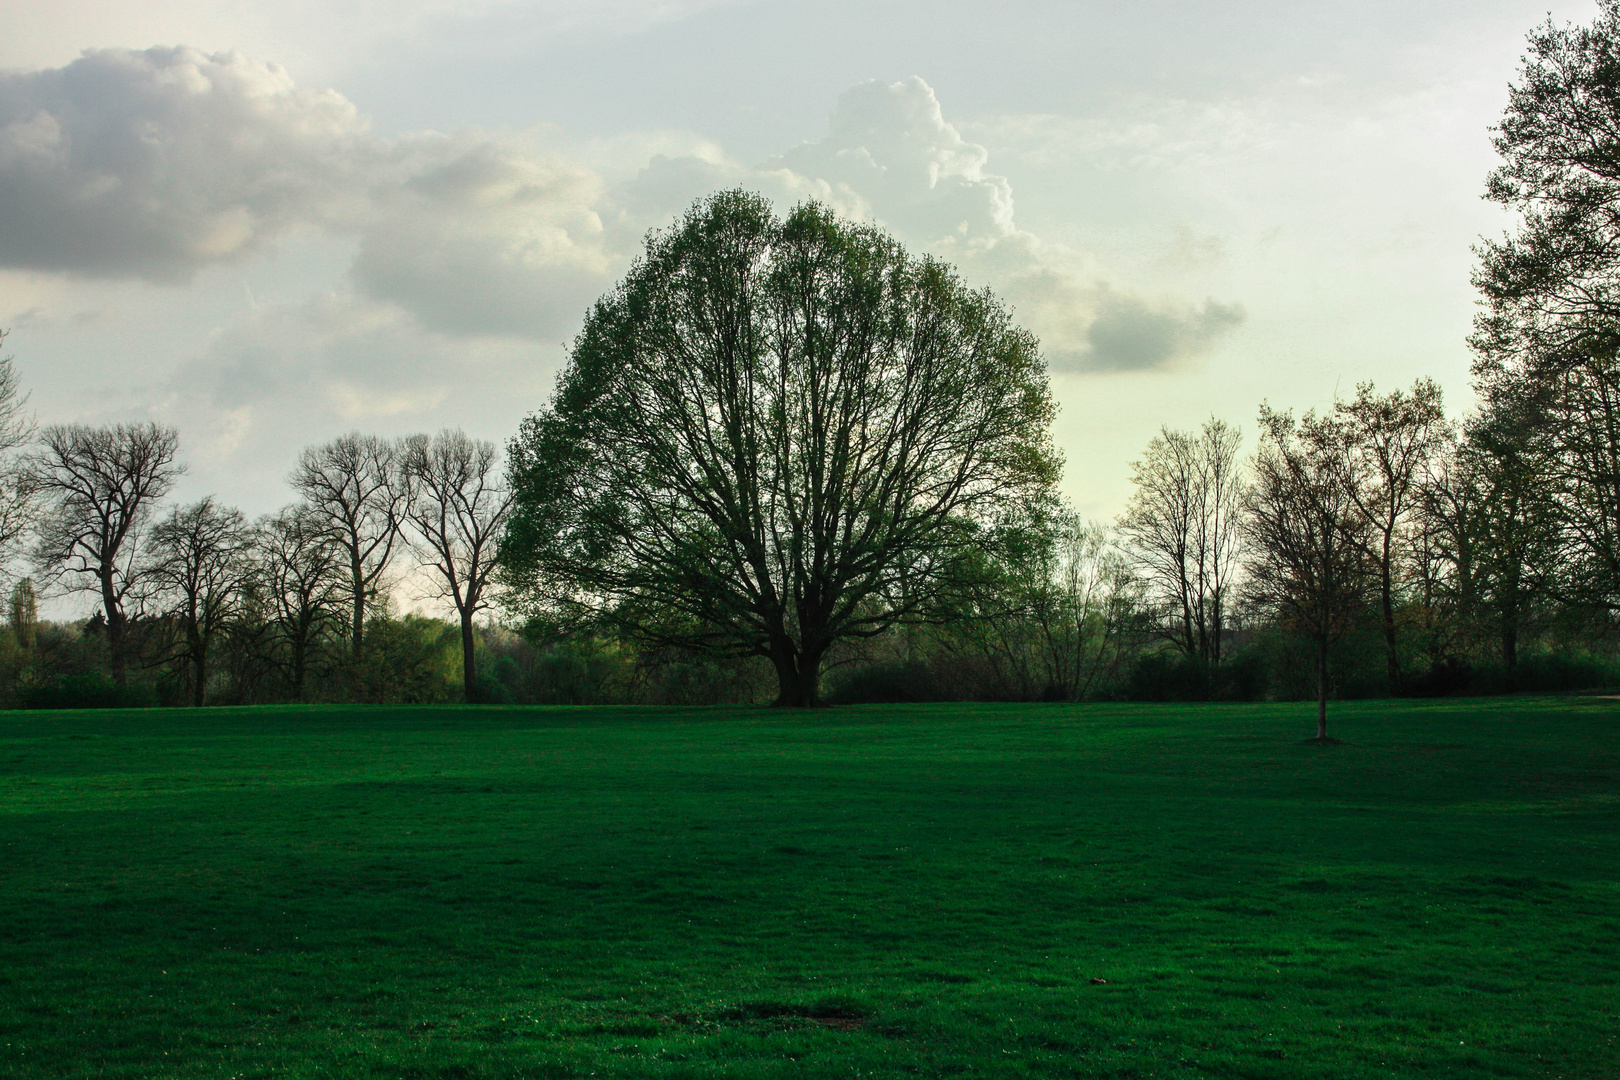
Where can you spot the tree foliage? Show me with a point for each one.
(199, 562)
(1547, 341)
(776, 434)
(357, 487)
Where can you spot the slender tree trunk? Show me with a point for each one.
(199, 673)
(1392, 654)
(357, 575)
(1510, 642)
(115, 628)
(1321, 688)
(300, 652)
(469, 673)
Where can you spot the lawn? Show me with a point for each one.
(1007, 891)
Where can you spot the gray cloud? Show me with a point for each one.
(151, 164)
(1131, 334)
(490, 241)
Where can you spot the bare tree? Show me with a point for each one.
(302, 570)
(199, 562)
(1086, 609)
(1183, 527)
(1308, 539)
(18, 509)
(1389, 442)
(99, 486)
(458, 512)
(356, 487)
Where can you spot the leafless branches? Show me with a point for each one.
(356, 487)
(1183, 527)
(458, 509)
(99, 486)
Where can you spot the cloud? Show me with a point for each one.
(891, 156)
(289, 375)
(152, 164)
(490, 241)
(891, 152)
(1131, 334)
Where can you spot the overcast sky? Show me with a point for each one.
(272, 222)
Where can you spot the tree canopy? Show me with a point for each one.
(776, 434)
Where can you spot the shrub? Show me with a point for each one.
(91, 690)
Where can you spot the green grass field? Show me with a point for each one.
(1003, 891)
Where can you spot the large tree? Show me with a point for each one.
(1547, 339)
(357, 488)
(774, 435)
(99, 486)
(458, 511)
(1497, 521)
(1182, 525)
(1309, 542)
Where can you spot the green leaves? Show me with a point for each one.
(775, 429)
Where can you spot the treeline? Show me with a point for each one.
(1378, 549)
(196, 604)
(786, 456)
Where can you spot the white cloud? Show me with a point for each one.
(893, 157)
(891, 152)
(152, 164)
(288, 375)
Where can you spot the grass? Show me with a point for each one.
(1009, 891)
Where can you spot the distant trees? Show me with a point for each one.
(301, 574)
(99, 486)
(357, 487)
(1063, 619)
(1183, 526)
(458, 510)
(199, 561)
(775, 435)
(17, 488)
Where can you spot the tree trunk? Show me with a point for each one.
(357, 576)
(199, 673)
(1510, 642)
(115, 627)
(798, 678)
(469, 674)
(300, 648)
(1321, 688)
(1392, 654)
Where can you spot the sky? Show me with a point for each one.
(268, 223)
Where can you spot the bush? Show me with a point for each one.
(1544, 672)
(91, 690)
(885, 684)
